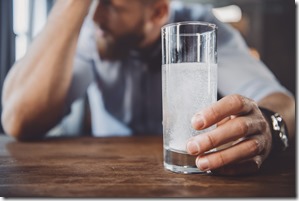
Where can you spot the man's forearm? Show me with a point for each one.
(35, 89)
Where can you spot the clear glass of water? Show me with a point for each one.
(189, 81)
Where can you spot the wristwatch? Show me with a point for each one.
(278, 129)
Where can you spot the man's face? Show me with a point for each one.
(121, 23)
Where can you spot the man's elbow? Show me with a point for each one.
(16, 127)
(12, 125)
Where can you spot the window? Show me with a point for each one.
(29, 18)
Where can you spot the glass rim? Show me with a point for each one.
(213, 26)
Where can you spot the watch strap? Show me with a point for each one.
(278, 130)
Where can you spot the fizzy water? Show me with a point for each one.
(187, 89)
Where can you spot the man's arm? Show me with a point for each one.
(35, 89)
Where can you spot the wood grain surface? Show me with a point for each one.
(87, 167)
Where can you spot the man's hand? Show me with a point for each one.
(241, 128)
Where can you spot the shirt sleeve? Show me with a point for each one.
(238, 71)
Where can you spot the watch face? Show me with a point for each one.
(275, 123)
(279, 126)
(278, 129)
(283, 136)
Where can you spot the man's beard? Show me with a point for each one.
(114, 49)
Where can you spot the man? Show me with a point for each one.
(113, 57)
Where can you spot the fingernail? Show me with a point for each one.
(192, 148)
(202, 164)
(197, 121)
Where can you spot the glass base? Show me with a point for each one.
(180, 162)
(183, 169)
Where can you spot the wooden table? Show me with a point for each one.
(124, 167)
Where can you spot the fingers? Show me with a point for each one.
(227, 132)
(223, 121)
(227, 106)
(239, 124)
(245, 167)
(246, 149)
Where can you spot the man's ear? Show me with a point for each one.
(160, 12)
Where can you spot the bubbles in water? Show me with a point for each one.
(187, 88)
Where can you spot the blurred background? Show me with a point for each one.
(268, 27)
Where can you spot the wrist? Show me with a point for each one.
(83, 4)
(72, 7)
(279, 131)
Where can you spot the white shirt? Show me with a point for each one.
(125, 96)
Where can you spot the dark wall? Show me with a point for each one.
(269, 27)
(7, 43)
(279, 40)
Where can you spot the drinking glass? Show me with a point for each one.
(189, 84)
